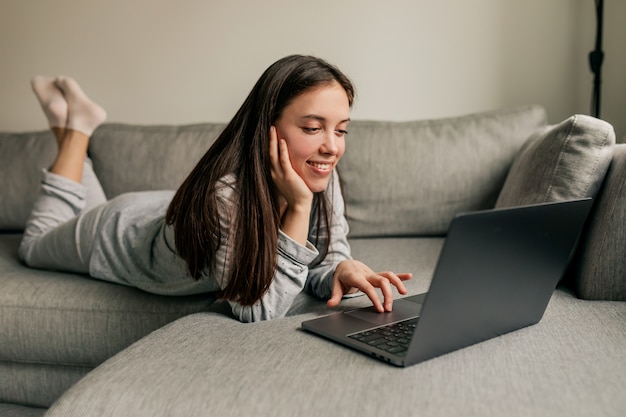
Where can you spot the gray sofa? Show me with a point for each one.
(75, 346)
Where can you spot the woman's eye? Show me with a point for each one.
(341, 132)
(311, 129)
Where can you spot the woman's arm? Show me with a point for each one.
(295, 253)
(320, 279)
(291, 273)
(289, 279)
(291, 268)
(338, 274)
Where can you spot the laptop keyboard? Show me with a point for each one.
(393, 338)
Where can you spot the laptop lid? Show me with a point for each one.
(495, 274)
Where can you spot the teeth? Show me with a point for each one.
(318, 165)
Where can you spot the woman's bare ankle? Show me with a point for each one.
(71, 155)
(59, 134)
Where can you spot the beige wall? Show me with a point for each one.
(159, 61)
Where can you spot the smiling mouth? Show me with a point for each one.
(321, 165)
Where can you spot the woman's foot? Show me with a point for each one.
(84, 114)
(51, 100)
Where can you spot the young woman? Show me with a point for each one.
(258, 220)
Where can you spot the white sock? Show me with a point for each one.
(84, 115)
(51, 100)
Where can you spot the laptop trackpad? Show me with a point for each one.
(402, 310)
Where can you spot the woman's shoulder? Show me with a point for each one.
(227, 181)
(226, 186)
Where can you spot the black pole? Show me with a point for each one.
(596, 57)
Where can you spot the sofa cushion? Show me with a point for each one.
(599, 269)
(560, 162)
(569, 364)
(411, 178)
(49, 317)
(12, 410)
(166, 155)
(22, 156)
(36, 384)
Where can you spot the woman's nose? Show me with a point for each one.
(330, 144)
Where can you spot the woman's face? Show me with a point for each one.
(314, 126)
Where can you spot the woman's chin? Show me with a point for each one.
(317, 186)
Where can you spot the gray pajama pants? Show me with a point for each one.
(58, 236)
(73, 228)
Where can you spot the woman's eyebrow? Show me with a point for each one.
(321, 118)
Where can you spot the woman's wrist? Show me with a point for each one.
(295, 222)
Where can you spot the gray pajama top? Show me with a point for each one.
(125, 240)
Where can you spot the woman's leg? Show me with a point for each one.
(83, 117)
(56, 237)
(53, 238)
(60, 96)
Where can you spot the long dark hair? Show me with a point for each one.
(242, 150)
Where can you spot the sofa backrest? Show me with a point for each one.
(22, 157)
(412, 178)
(400, 178)
(130, 158)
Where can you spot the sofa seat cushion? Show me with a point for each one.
(59, 318)
(412, 178)
(12, 410)
(209, 363)
(37, 385)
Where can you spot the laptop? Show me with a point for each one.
(495, 274)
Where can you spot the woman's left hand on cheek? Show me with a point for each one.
(290, 185)
(351, 276)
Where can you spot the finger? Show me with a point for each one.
(336, 294)
(382, 282)
(283, 153)
(273, 143)
(405, 276)
(274, 150)
(395, 280)
(371, 293)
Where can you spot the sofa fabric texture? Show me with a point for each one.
(91, 348)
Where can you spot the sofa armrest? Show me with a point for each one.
(598, 271)
(206, 364)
